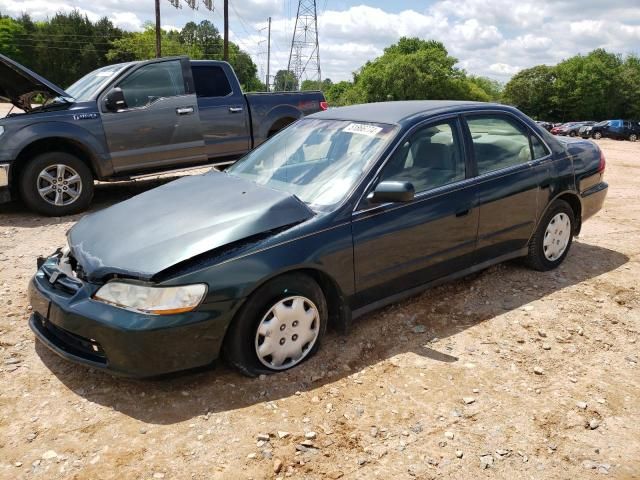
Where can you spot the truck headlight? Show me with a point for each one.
(151, 300)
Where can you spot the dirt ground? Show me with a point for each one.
(439, 386)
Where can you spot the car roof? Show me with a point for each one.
(400, 112)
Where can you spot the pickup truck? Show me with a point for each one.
(127, 120)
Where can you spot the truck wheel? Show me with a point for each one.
(551, 241)
(56, 184)
(280, 326)
(633, 137)
(597, 135)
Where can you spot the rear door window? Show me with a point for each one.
(498, 141)
(210, 81)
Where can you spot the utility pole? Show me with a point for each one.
(268, 54)
(158, 46)
(226, 31)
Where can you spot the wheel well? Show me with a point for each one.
(279, 125)
(339, 313)
(53, 144)
(576, 206)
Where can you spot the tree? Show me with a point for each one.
(414, 69)
(285, 80)
(532, 91)
(10, 34)
(313, 85)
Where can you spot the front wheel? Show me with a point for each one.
(633, 137)
(597, 135)
(572, 134)
(552, 239)
(56, 184)
(280, 326)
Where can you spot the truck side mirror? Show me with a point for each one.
(114, 100)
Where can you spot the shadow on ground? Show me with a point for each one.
(443, 311)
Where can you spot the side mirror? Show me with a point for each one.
(114, 100)
(393, 191)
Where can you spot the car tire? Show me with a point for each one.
(572, 134)
(633, 137)
(597, 135)
(552, 239)
(249, 339)
(42, 174)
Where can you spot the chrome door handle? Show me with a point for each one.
(235, 109)
(184, 110)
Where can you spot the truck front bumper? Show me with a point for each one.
(5, 195)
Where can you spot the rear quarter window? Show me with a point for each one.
(210, 81)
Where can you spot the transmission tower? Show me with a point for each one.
(304, 57)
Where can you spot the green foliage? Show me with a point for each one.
(597, 86)
(67, 46)
(313, 85)
(285, 80)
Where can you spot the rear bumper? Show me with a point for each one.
(126, 343)
(593, 199)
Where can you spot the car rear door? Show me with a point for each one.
(509, 181)
(223, 116)
(399, 246)
(159, 126)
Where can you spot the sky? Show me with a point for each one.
(494, 38)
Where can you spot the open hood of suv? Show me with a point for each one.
(19, 85)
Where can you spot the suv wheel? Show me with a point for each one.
(56, 184)
(597, 135)
(572, 133)
(551, 241)
(633, 137)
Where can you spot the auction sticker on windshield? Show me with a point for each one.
(362, 129)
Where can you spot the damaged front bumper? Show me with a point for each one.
(66, 319)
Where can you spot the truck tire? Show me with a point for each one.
(552, 239)
(56, 184)
(597, 135)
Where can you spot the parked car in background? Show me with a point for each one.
(546, 125)
(595, 131)
(623, 130)
(129, 119)
(342, 213)
(570, 129)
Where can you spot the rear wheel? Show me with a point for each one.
(633, 137)
(551, 242)
(280, 326)
(572, 133)
(56, 184)
(597, 135)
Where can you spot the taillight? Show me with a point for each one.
(603, 162)
(324, 105)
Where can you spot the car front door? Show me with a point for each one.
(223, 116)
(159, 125)
(400, 246)
(509, 182)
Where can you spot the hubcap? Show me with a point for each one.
(59, 185)
(633, 138)
(556, 236)
(287, 332)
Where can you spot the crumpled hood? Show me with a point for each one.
(153, 231)
(19, 85)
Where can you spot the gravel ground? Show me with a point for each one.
(506, 373)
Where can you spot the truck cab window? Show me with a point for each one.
(210, 81)
(152, 82)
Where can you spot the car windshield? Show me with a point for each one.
(86, 88)
(319, 161)
(602, 124)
